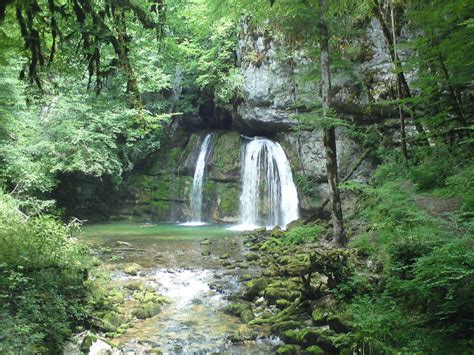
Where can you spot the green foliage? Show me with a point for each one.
(422, 303)
(303, 234)
(42, 274)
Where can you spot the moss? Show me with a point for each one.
(147, 310)
(255, 287)
(286, 349)
(273, 294)
(226, 155)
(319, 317)
(281, 327)
(313, 349)
(167, 162)
(236, 308)
(247, 316)
(229, 200)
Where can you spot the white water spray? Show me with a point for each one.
(269, 197)
(196, 191)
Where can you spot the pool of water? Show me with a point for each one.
(135, 231)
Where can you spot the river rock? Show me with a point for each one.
(120, 243)
(287, 349)
(236, 309)
(146, 310)
(132, 269)
(255, 287)
(252, 257)
(247, 316)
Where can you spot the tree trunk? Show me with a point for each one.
(329, 133)
(401, 79)
(403, 136)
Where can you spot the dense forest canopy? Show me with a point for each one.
(91, 89)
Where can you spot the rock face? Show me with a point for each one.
(273, 87)
(163, 192)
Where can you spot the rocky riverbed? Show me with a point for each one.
(171, 289)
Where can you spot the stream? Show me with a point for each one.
(198, 269)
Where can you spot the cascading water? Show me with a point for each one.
(269, 196)
(196, 191)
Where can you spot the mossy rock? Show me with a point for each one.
(313, 349)
(247, 316)
(236, 309)
(339, 322)
(272, 295)
(252, 257)
(226, 160)
(319, 316)
(235, 338)
(287, 349)
(281, 327)
(115, 297)
(114, 319)
(282, 304)
(147, 310)
(245, 277)
(132, 268)
(255, 288)
(134, 285)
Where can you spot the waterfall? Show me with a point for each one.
(269, 196)
(196, 191)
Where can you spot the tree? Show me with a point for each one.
(329, 133)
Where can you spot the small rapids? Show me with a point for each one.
(194, 322)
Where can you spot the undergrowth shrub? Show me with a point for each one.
(42, 281)
(303, 234)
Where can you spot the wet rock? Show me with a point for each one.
(102, 347)
(255, 288)
(226, 263)
(236, 309)
(178, 349)
(247, 316)
(281, 327)
(146, 310)
(205, 242)
(235, 338)
(114, 319)
(244, 266)
(135, 285)
(132, 269)
(196, 301)
(252, 257)
(120, 243)
(245, 277)
(287, 349)
(274, 294)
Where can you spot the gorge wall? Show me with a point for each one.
(273, 91)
